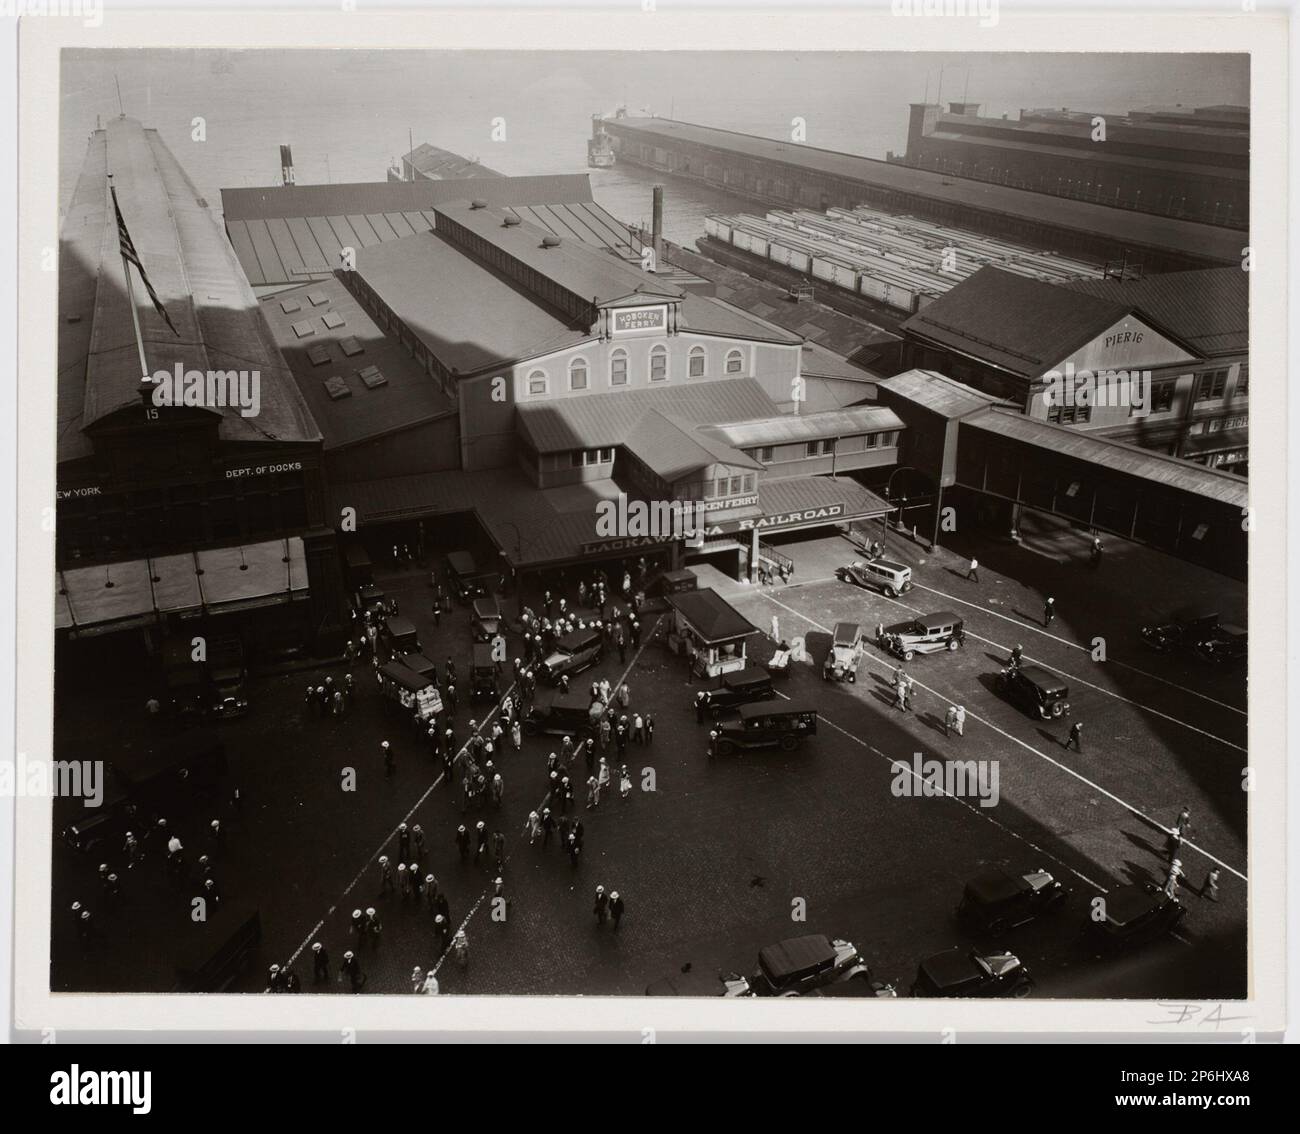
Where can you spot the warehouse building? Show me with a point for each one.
(178, 518)
(1161, 362)
(1189, 163)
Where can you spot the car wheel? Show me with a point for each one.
(788, 743)
(1022, 990)
(953, 644)
(997, 927)
(1056, 710)
(853, 677)
(726, 748)
(908, 655)
(890, 592)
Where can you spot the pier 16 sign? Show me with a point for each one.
(636, 319)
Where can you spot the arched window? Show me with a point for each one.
(659, 364)
(735, 362)
(697, 362)
(578, 374)
(537, 382)
(618, 368)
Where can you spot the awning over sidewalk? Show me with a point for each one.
(215, 578)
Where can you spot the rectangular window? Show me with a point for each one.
(1210, 385)
(658, 366)
(618, 371)
(578, 458)
(736, 483)
(869, 442)
(578, 378)
(1243, 381)
(697, 366)
(1162, 397)
(537, 385)
(607, 456)
(734, 363)
(820, 448)
(765, 454)
(751, 482)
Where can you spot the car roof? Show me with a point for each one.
(1128, 903)
(399, 624)
(579, 638)
(949, 968)
(462, 561)
(846, 631)
(889, 564)
(487, 607)
(481, 655)
(939, 618)
(796, 956)
(994, 886)
(1044, 677)
(405, 676)
(772, 709)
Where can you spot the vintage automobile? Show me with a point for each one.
(695, 983)
(398, 636)
(1226, 643)
(572, 654)
(996, 901)
(846, 649)
(890, 578)
(227, 674)
(463, 578)
(420, 664)
(953, 973)
(99, 829)
(759, 725)
(486, 623)
(369, 596)
(1134, 915)
(414, 693)
(1035, 690)
(739, 687)
(799, 964)
(175, 777)
(1181, 630)
(484, 674)
(927, 634)
(564, 714)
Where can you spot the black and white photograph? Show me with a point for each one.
(592, 523)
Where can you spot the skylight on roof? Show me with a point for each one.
(319, 354)
(303, 329)
(372, 377)
(336, 387)
(332, 320)
(289, 306)
(350, 346)
(317, 298)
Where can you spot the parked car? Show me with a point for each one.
(800, 964)
(845, 653)
(398, 636)
(759, 725)
(572, 654)
(884, 575)
(996, 901)
(953, 973)
(563, 714)
(99, 829)
(463, 578)
(928, 634)
(739, 687)
(1181, 630)
(487, 619)
(484, 674)
(1226, 643)
(1035, 690)
(1134, 915)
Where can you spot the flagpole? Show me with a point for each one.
(130, 293)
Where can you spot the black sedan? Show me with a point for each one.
(1134, 915)
(974, 974)
(995, 901)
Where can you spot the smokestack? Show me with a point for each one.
(286, 165)
(657, 225)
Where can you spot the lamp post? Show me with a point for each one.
(515, 567)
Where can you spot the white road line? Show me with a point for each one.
(1075, 646)
(981, 812)
(1030, 748)
(389, 837)
(1084, 681)
(647, 638)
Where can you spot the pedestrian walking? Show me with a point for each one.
(638, 729)
(973, 571)
(460, 948)
(481, 840)
(616, 907)
(533, 827)
(498, 849)
(649, 728)
(949, 720)
(373, 925)
(1210, 887)
(593, 793)
(959, 721)
(1184, 821)
(602, 778)
(1049, 611)
(1095, 558)
(352, 970)
(417, 833)
(701, 704)
(320, 963)
(390, 758)
(1017, 652)
(900, 695)
(442, 930)
(548, 826)
(624, 782)
(431, 891)
(1076, 737)
(573, 849)
(1173, 843)
(516, 735)
(462, 842)
(497, 790)
(1171, 880)
(601, 908)
(776, 628)
(403, 882)
(403, 842)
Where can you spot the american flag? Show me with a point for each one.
(129, 254)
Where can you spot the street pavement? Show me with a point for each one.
(724, 856)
